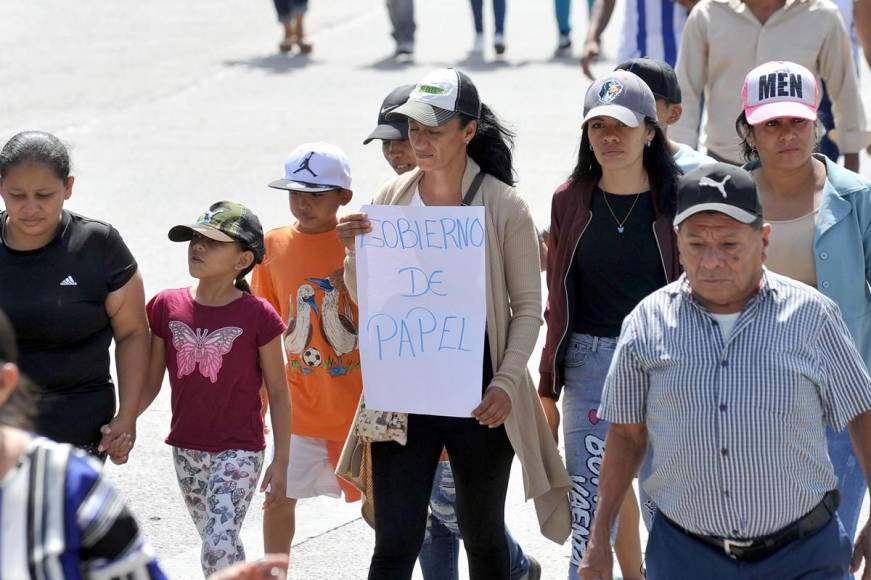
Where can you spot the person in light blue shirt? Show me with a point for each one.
(662, 80)
(820, 214)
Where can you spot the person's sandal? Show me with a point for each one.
(305, 45)
(286, 45)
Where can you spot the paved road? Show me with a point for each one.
(171, 105)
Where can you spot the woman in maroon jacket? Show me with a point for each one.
(611, 244)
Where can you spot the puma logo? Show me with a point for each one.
(721, 185)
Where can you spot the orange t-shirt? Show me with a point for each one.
(302, 277)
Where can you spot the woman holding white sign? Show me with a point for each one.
(611, 244)
(464, 158)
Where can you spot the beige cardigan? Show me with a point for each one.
(513, 322)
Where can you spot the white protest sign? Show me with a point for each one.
(421, 291)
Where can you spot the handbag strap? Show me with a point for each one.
(473, 189)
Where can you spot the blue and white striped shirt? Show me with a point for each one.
(736, 427)
(60, 519)
(652, 28)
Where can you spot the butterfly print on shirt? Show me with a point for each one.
(201, 347)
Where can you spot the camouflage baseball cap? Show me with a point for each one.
(226, 221)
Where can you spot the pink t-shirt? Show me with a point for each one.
(214, 370)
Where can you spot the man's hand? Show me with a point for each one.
(272, 566)
(862, 551)
(494, 409)
(551, 411)
(598, 563)
(589, 55)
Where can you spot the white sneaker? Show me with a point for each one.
(478, 46)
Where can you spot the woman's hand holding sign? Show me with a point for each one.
(494, 409)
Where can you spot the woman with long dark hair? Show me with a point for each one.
(70, 287)
(611, 244)
(459, 145)
(820, 216)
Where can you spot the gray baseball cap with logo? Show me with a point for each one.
(622, 95)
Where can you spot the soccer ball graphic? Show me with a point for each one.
(312, 357)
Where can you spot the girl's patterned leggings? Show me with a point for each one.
(217, 489)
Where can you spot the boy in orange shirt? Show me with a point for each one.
(302, 278)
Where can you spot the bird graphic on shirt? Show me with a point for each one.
(338, 329)
(299, 328)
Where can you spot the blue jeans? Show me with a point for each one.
(498, 15)
(440, 552)
(585, 367)
(646, 505)
(563, 10)
(402, 18)
(851, 479)
(671, 553)
(287, 9)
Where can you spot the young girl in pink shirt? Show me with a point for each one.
(220, 344)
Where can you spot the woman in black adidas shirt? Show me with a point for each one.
(70, 286)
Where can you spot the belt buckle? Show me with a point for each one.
(729, 544)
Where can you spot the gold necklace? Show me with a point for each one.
(620, 227)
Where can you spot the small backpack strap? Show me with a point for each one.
(473, 189)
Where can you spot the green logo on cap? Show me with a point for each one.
(433, 90)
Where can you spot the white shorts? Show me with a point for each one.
(309, 471)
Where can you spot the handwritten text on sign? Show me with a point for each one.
(421, 290)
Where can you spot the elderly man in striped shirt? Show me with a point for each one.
(731, 375)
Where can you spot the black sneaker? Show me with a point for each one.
(499, 44)
(564, 46)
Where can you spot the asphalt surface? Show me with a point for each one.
(169, 106)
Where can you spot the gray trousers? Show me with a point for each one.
(402, 17)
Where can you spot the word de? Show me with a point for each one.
(420, 282)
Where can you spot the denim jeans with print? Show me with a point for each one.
(439, 555)
(584, 368)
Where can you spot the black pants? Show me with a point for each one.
(403, 475)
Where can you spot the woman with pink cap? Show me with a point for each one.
(820, 216)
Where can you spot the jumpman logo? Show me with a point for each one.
(708, 182)
(304, 165)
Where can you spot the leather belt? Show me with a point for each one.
(761, 548)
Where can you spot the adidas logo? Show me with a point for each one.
(68, 281)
